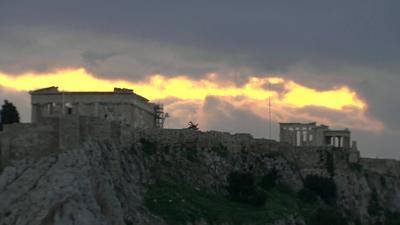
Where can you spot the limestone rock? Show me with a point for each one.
(92, 185)
(104, 182)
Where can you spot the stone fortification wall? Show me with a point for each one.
(18, 141)
(310, 160)
(91, 127)
(69, 132)
(388, 167)
(204, 140)
(304, 156)
(52, 135)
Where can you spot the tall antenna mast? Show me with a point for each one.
(63, 103)
(269, 112)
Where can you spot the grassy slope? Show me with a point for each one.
(179, 205)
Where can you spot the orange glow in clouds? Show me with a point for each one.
(182, 87)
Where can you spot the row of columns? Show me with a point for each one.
(338, 141)
(302, 137)
(297, 135)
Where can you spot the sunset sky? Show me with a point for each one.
(218, 62)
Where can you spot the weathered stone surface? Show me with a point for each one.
(104, 182)
(98, 184)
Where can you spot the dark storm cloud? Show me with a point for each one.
(221, 115)
(376, 86)
(382, 92)
(380, 145)
(322, 44)
(272, 34)
(338, 119)
(91, 58)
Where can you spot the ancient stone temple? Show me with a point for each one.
(311, 134)
(66, 120)
(120, 105)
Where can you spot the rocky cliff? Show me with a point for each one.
(190, 177)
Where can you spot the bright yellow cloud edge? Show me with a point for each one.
(182, 87)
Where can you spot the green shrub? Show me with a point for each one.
(149, 148)
(373, 207)
(221, 150)
(242, 188)
(326, 216)
(286, 188)
(306, 195)
(392, 218)
(128, 222)
(383, 181)
(269, 181)
(182, 204)
(322, 186)
(357, 221)
(330, 164)
(356, 167)
(192, 154)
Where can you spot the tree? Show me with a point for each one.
(193, 126)
(9, 114)
(322, 186)
(242, 188)
(327, 215)
(269, 181)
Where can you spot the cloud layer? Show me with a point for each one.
(319, 45)
(290, 101)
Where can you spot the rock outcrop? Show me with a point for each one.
(107, 182)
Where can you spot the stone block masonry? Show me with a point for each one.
(30, 140)
(53, 135)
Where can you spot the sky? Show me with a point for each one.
(218, 62)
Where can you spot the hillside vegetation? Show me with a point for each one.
(182, 177)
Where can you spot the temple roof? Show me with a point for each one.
(53, 90)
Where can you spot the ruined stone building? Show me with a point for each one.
(66, 120)
(120, 105)
(311, 134)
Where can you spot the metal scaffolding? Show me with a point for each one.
(160, 115)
